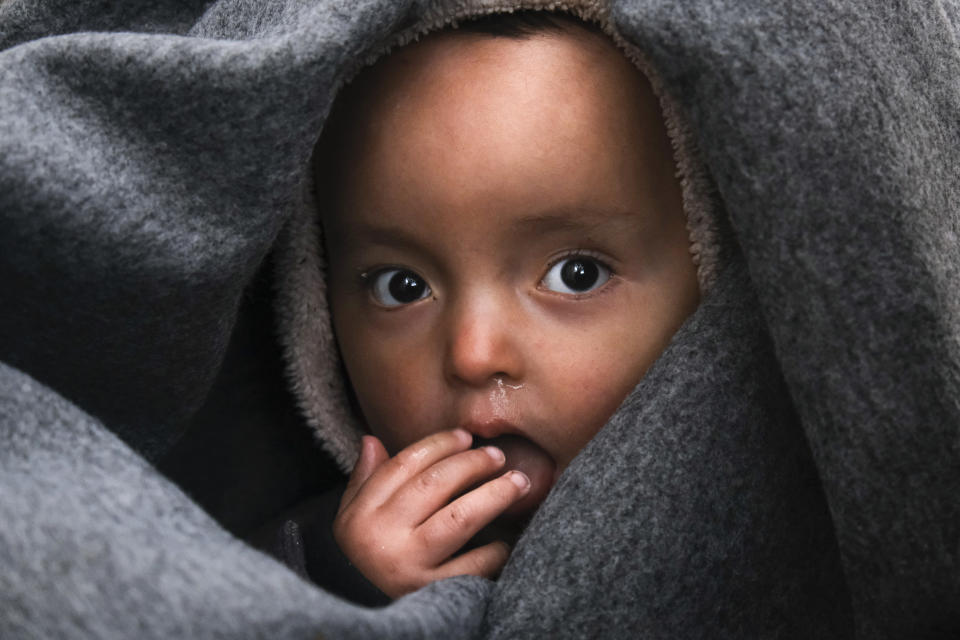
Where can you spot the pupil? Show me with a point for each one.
(406, 287)
(579, 275)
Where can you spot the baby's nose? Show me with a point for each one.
(482, 349)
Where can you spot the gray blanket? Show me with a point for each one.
(789, 468)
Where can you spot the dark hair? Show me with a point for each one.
(523, 24)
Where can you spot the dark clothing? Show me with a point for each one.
(303, 540)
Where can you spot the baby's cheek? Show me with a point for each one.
(606, 390)
(399, 414)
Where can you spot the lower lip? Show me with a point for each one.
(524, 455)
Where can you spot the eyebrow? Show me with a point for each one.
(583, 221)
(382, 234)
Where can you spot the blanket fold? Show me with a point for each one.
(787, 469)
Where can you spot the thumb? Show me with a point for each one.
(372, 455)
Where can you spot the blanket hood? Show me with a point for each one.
(815, 249)
(304, 322)
(786, 469)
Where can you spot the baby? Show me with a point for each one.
(508, 255)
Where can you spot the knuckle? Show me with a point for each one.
(399, 463)
(427, 481)
(458, 517)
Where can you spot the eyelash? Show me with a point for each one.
(575, 253)
(367, 277)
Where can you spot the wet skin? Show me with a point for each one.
(507, 257)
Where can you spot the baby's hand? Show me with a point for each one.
(396, 521)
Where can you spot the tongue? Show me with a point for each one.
(523, 455)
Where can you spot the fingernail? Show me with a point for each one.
(520, 479)
(495, 453)
(463, 436)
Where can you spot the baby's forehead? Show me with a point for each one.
(462, 63)
(538, 127)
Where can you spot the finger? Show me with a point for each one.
(372, 455)
(431, 489)
(486, 561)
(411, 461)
(450, 528)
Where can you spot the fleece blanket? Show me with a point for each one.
(788, 468)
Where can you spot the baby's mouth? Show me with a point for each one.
(524, 455)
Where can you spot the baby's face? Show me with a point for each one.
(507, 253)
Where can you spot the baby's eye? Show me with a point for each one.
(576, 274)
(396, 287)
